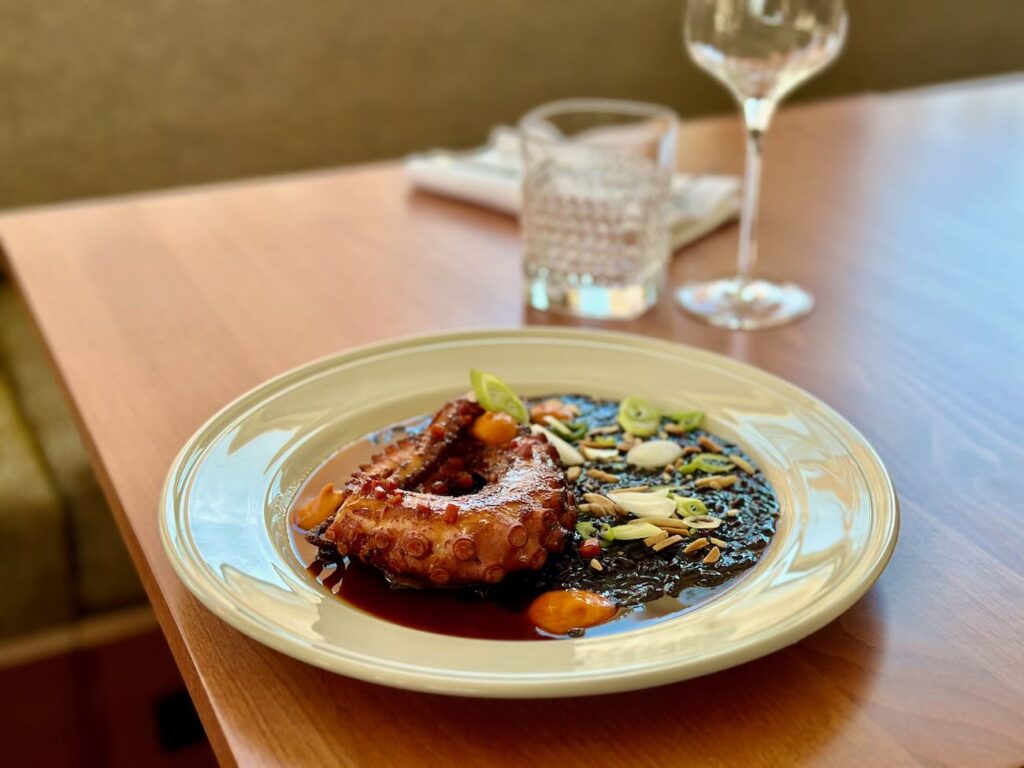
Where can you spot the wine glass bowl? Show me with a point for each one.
(760, 50)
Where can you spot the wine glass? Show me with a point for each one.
(760, 50)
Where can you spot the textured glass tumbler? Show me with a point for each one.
(595, 205)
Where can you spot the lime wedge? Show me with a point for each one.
(495, 395)
(638, 416)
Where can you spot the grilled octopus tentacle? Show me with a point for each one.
(523, 512)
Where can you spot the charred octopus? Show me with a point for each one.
(468, 500)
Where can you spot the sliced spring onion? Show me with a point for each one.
(578, 430)
(690, 507)
(605, 441)
(570, 430)
(712, 463)
(495, 395)
(661, 490)
(585, 529)
(599, 454)
(631, 531)
(556, 426)
(568, 455)
(638, 416)
(687, 420)
(654, 454)
(640, 504)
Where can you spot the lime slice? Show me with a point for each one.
(495, 395)
(638, 416)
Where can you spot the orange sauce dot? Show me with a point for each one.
(495, 428)
(562, 610)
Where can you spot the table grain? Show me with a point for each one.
(904, 214)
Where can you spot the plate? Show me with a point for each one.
(223, 516)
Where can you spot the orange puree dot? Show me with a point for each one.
(562, 610)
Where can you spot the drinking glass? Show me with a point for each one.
(760, 50)
(597, 175)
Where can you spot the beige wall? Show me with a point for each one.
(106, 96)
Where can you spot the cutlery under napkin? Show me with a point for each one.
(491, 176)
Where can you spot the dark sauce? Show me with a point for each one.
(648, 586)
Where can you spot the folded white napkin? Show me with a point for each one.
(491, 176)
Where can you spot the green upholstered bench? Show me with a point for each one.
(61, 556)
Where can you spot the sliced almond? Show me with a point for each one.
(573, 474)
(715, 482)
(650, 541)
(717, 542)
(596, 565)
(666, 543)
(690, 450)
(742, 463)
(601, 503)
(610, 429)
(712, 556)
(675, 429)
(695, 545)
(732, 513)
(599, 454)
(702, 522)
(709, 445)
(665, 522)
(604, 477)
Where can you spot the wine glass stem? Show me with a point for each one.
(748, 213)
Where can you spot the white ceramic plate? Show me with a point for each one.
(223, 515)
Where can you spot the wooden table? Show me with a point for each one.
(904, 214)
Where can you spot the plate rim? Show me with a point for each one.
(546, 685)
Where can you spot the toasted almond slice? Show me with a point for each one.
(602, 504)
(689, 450)
(573, 474)
(604, 477)
(675, 429)
(666, 543)
(662, 522)
(712, 556)
(709, 445)
(650, 541)
(702, 522)
(596, 565)
(717, 542)
(695, 545)
(715, 482)
(742, 463)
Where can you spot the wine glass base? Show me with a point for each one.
(758, 304)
